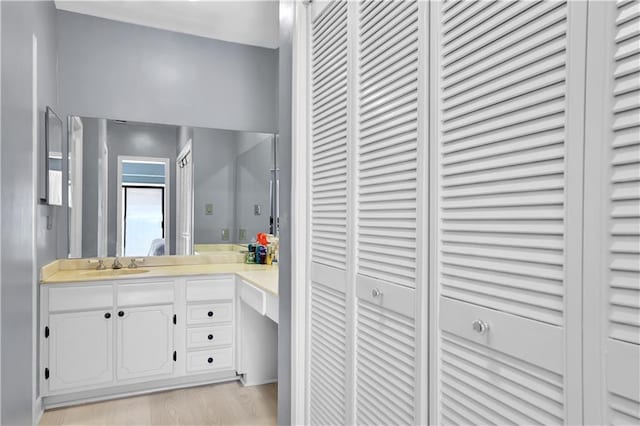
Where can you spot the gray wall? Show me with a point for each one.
(284, 162)
(90, 152)
(214, 153)
(253, 177)
(19, 289)
(144, 140)
(123, 71)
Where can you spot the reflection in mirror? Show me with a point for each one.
(53, 185)
(140, 189)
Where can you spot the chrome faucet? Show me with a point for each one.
(116, 263)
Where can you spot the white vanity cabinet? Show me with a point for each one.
(80, 349)
(106, 339)
(109, 338)
(145, 345)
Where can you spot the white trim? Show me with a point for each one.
(167, 198)
(423, 258)
(574, 197)
(300, 190)
(433, 333)
(75, 201)
(35, 155)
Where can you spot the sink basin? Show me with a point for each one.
(94, 273)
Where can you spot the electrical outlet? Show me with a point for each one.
(225, 234)
(208, 209)
(257, 209)
(242, 234)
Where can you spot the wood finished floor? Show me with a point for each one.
(219, 404)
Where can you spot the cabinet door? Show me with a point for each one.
(510, 79)
(80, 349)
(388, 157)
(145, 341)
(328, 392)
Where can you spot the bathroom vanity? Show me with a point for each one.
(112, 333)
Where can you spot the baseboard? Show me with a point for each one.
(38, 410)
(124, 391)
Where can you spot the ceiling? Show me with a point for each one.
(247, 22)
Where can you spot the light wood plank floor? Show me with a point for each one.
(219, 404)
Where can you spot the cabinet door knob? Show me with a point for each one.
(107, 315)
(121, 313)
(210, 337)
(480, 326)
(210, 313)
(376, 292)
(210, 360)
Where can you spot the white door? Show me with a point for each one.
(508, 112)
(328, 371)
(612, 215)
(387, 157)
(184, 199)
(80, 349)
(144, 341)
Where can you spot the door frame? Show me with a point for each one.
(185, 152)
(167, 199)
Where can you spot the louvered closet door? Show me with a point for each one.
(505, 131)
(327, 317)
(622, 362)
(387, 172)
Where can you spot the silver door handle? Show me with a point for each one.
(480, 326)
(376, 292)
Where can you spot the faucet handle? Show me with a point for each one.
(132, 263)
(116, 263)
(100, 263)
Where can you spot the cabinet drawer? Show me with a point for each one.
(212, 359)
(80, 298)
(253, 297)
(158, 293)
(208, 313)
(219, 288)
(203, 337)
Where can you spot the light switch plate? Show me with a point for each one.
(257, 209)
(242, 234)
(208, 209)
(225, 234)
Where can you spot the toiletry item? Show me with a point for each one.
(269, 259)
(261, 254)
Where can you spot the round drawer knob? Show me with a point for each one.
(121, 313)
(480, 326)
(210, 360)
(376, 292)
(210, 313)
(107, 315)
(210, 337)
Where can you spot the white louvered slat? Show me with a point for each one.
(503, 191)
(503, 161)
(482, 386)
(624, 220)
(327, 356)
(385, 374)
(329, 137)
(388, 141)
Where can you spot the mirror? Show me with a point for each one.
(51, 186)
(143, 189)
